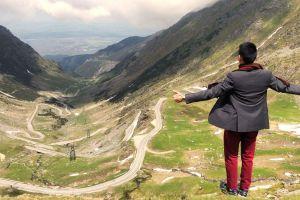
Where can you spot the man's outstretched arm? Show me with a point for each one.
(216, 91)
(279, 86)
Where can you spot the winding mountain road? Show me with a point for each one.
(141, 142)
(130, 130)
(30, 126)
(48, 149)
(14, 135)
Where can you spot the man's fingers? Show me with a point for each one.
(178, 97)
(176, 92)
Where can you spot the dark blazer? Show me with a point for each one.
(242, 104)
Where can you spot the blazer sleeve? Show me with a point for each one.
(277, 85)
(214, 92)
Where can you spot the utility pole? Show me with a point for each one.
(72, 153)
(88, 133)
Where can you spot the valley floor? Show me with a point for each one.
(185, 160)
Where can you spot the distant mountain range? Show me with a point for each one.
(92, 65)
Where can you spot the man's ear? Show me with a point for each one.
(240, 59)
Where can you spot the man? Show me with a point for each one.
(241, 110)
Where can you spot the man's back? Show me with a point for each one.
(242, 104)
(249, 99)
(250, 87)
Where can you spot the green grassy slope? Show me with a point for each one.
(194, 141)
(195, 144)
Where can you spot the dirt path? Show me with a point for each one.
(96, 105)
(236, 62)
(160, 152)
(270, 37)
(78, 139)
(8, 95)
(46, 151)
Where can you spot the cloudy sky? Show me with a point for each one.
(32, 19)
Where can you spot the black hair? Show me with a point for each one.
(248, 52)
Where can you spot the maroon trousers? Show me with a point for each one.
(231, 151)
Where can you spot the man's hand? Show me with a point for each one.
(178, 97)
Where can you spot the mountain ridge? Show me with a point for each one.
(22, 68)
(195, 37)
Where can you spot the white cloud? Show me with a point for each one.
(144, 13)
(63, 9)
